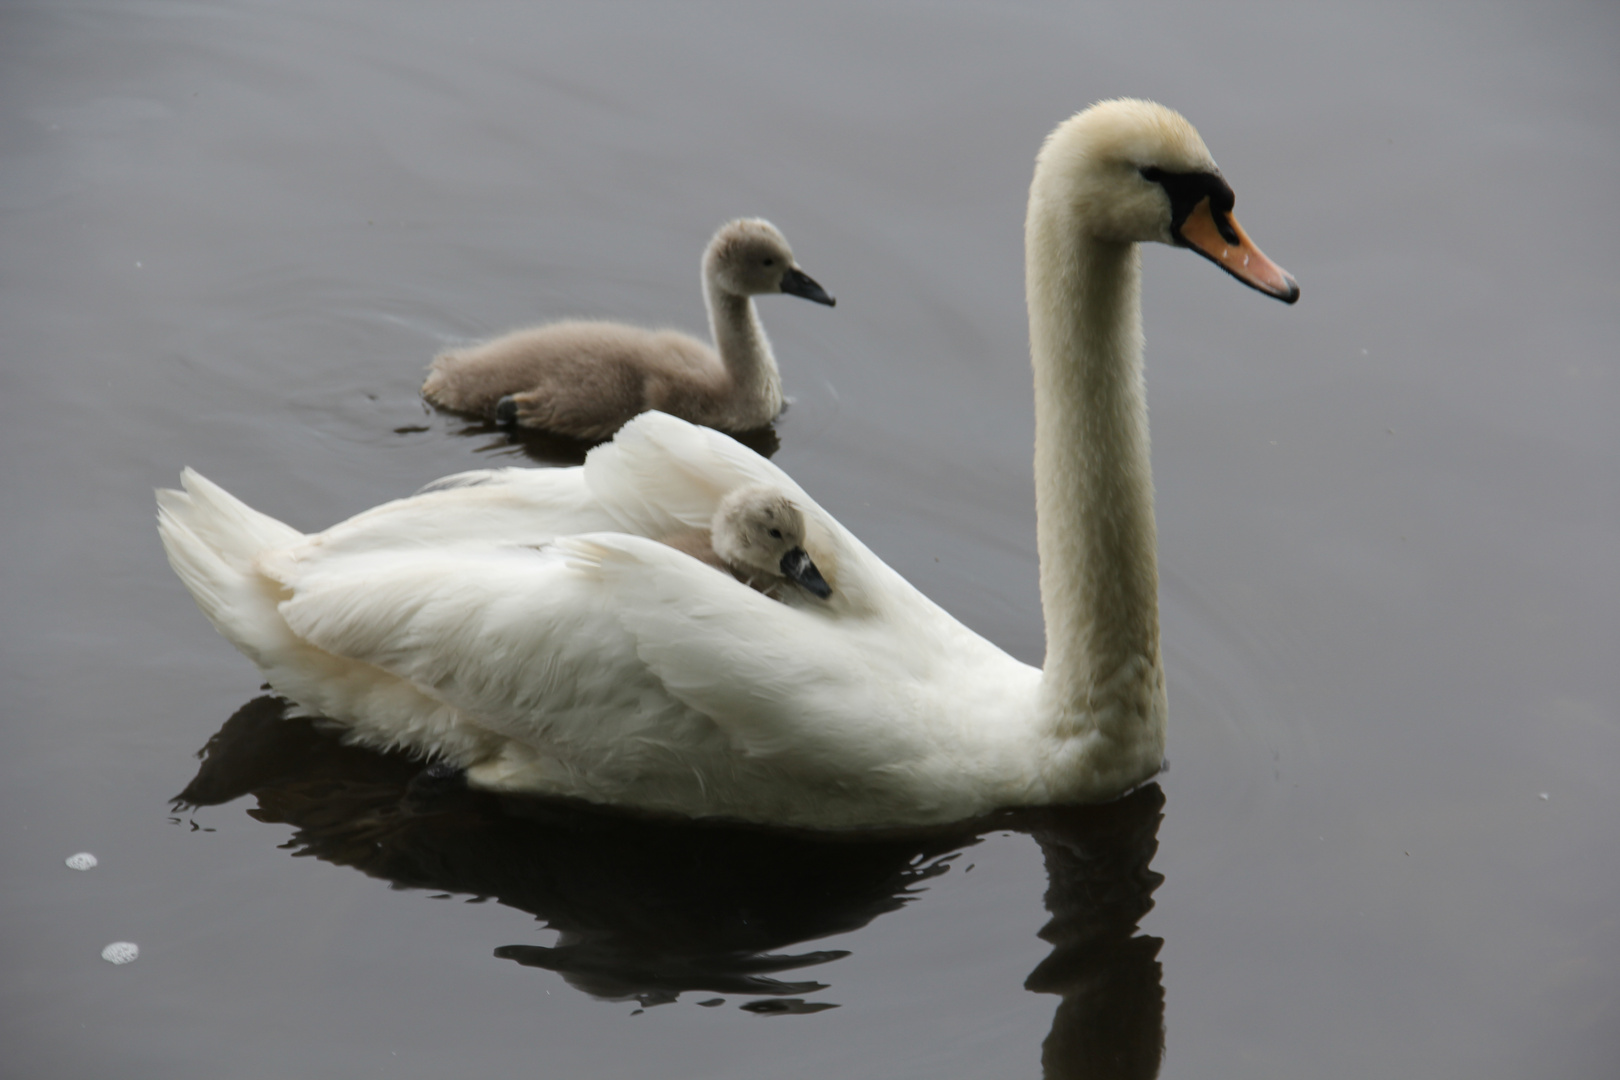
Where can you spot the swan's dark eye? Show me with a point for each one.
(770, 262)
(1151, 173)
(776, 534)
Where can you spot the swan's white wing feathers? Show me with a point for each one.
(882, 716)
(510, 635)
(779, 679)
(660, 474)
(494, 506)
(618, 660)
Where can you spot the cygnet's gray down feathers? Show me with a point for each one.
(586, 379)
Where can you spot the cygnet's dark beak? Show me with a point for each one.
(796, 566)
(798, 283)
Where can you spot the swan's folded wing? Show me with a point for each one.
(801, 684)
(605, 648)
(661, 473)
(514, 638)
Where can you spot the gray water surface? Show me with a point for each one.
(231, 236)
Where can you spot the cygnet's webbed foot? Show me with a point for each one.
(538, 410)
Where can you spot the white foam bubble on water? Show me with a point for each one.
(82, 861)
(121, 952)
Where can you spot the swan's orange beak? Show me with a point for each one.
(1232, 250)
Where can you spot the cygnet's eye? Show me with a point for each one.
(776, 534)
(770, 262)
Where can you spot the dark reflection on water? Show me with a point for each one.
(545, 448)
(1110, 1022)
(647, 910)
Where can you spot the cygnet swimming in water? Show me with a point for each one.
(758, 537)
(586, 379)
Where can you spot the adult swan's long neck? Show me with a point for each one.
(1118, 174)
(1103, 685)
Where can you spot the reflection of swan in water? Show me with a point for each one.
(650, 909)
(1110, 1021)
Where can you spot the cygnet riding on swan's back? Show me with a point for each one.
(527, 625)
(585, 379)
(757, 536)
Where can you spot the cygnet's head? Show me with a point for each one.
(750, 257)
(1130, 171)
(758, 528)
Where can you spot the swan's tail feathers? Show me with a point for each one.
(222, 521)
(212, 540)
(222, 550)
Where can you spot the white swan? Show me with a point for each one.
(523, 624)
(585, 379)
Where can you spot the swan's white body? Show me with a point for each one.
(520, 622)
(523, 624)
